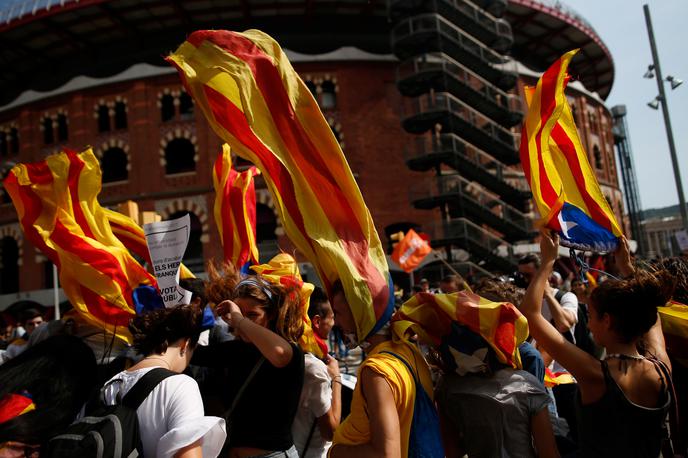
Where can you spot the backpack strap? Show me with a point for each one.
(406, 363)
(228, 412)
(676, 441)
(141, 389)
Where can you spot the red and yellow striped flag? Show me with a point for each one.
(499, 323)
(564, 185)
(256, 102)
(57, 207)
(235, 210)
(132, 236)
(283, 270)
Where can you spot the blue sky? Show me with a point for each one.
(621, 25)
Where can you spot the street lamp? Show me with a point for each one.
(654, 70)
(675, 82)
(654, 104)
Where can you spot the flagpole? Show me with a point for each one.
(56, 293)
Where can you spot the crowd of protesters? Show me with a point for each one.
(238, 383)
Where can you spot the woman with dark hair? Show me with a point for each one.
(171, 419)
(623, 399)
(263, 368)
(42, 391)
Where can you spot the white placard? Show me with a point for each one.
(682, 240)
(167, 242)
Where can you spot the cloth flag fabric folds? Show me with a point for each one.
(56, 201)
(499, 323)
(257, 103)
(410, 251)
(283, 270)
(564, 185)
(235, 210)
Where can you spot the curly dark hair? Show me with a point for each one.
(284, 310)
(632, 303)
(154, 331)
(678, 268)
(500, 291)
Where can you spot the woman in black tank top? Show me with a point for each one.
(623, 400)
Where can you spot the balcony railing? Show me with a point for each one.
(461, 228)
(431, 143)
(433, 62)
(443, 101)
(447, 185)
(436, 23)
(491, 24)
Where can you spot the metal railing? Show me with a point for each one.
(439, 61)
(435, 23)
(445, 185)
(444, 101)
(435, 144)
(461, 228)
(480, 16)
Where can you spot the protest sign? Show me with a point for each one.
(167, 242)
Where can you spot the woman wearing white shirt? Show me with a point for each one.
(171, 419)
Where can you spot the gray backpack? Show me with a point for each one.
(109, 431)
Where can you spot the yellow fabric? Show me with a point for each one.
(309, 198)
(98, 276)
(674, 319)
(282, 270)
(355, 430)
(541, 146)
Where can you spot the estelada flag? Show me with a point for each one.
(56, 201)
(565, 189)
(256, 102)
(501, 324)
(235, 210)
(410, 251)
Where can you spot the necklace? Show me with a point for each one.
(160, 359)
(624, 356)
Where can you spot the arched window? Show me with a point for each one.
(120, 115)
(266, 223)
(47, 124)
(597, 156)
(312, 87)
(62, 129)
(9, 266)
(186, 106)
(179, 156)
(328, 96)
(167, 107)
(193, 256)
(103, 118)
(14, 141)
(114, 165)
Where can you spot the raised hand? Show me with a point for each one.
(549, 246)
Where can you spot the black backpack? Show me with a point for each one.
(581, 334)
(109, 431)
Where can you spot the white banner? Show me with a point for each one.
(167, 242)
(682, 240)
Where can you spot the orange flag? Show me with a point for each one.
(411, 251)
